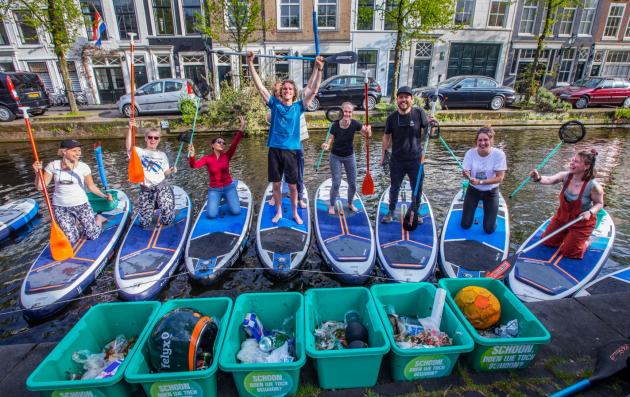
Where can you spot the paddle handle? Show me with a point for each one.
(132, 84)
(573, 389)
(98, 151)
(181, 145)
(367, 121)
(550, 235)
(315, 28)
(321, 154)
(540, 166)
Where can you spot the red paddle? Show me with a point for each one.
(135, 172)
(368, 184)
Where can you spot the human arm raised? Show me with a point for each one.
(313, 84)
(548, 179)
(257, 82)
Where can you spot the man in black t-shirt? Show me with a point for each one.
(403, 132)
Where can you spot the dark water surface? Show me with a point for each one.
(528, 209)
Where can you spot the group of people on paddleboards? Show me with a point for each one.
(484, 167)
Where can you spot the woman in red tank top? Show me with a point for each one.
(573, 241)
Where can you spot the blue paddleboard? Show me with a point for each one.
(408, 256)
(15, 215)
(50, 285)
(345, 239)
(472, 252)
(215, 244)
(148, 257)
(544, 274)
(282, 246)
(612, 283)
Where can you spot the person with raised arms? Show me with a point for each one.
(581, 195)
(155, 191)
(284, 133)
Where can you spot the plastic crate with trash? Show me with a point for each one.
(263, 313)
(100, 204)
(498, 352)
(343, 366)
(101, 325)
(417, 300)
(174, 381)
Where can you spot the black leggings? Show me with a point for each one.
(490, 199)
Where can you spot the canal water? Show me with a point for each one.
(524, 150)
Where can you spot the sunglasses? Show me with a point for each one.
(153, 138)
(220, 142)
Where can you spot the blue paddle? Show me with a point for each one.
(189, 141)
(315, 28)
(321, 154)
(98, 152)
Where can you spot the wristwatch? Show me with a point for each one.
(481, 181)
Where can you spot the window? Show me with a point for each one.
(607, 84)
(528, 17)
(588, 15)
(390, 21)
(163, 66)
(281, 66)
(365, 15)
(627, 35)
(172, 86)
(191, 9)
(566, 65)
(140, 70)
(467, 83)
(289, 14)
(153, 88)
(327, 14)
(614, 20)
(74, 76)
(424, 50)
(125, 18)
(338, 82)
(224, 69)
(464, 12)
(41, 70)
(355, 81)
(617, 63)
(498, 13)
(330, 69)
(28, 34)
(367, 61)
(486, 83)
(566, 21)
(4, 39)
(87, 8)
(7, 67)
(163, 13)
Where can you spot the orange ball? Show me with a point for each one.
(480, 306)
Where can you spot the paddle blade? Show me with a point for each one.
(410, 222)
(572, 131)
(502, 270)
(345, 57)
(60, 247)
(135, 172)
(611, 358)
(368, 185)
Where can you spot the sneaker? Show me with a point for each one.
(388, 218)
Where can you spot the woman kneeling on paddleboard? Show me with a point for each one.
(70, 202)
(218, 163)
(155, 192)
(484, 167)
(342, 134)
(581, 195)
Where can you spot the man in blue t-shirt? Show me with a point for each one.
(284, 132)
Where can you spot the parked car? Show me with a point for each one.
(338, 89)
(25, 87)
(159, 96)
(596, 91)
(469, 91)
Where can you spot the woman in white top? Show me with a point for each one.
(155, 192)
(484, 167)
(70, 203)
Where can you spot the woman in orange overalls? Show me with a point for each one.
(581, 195)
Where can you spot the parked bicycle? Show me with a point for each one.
(60, 98)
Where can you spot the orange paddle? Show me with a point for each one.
(368, 184)
(60, 247)
(135, 172)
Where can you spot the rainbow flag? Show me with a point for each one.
(98, 29)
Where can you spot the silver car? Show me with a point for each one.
(158, 96)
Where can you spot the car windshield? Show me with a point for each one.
(588, 83)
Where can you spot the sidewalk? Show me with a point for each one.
(578, 327)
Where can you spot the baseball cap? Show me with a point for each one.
(69, 144)
(405, 89)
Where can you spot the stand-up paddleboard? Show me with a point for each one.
(345, 239)
(612, 283)
(215, 244)
(15, 215)
(282, 246)
(50, 285)
(148, 257)
(408, 256)
(544, 274)
(473, 252)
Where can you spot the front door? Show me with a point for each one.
(195, 72)
(110, 83)
(466, 58)
(421, 69)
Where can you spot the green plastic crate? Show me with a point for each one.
(201, 383)
(493, 354)
(416, 299)
(261, 380)
(338, 369)
(100, 325)
(100, 204)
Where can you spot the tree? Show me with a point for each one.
(232, 23)
(413, 20)
(62, 19)
(535, 72)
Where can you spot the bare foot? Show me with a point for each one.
(100, 219)
(353, 208)
(331, 210)
(297, 218)
(277, 217)
(271, 202)
(301, 203)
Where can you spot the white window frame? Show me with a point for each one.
(528, 5)
(157, 65)
(626, 36)
(279, 16)
(505, 16)
(590, 12)
(185, 32)
(154, 20)
(472, 12)
(623, 5)
(20, 35)
(375, 62)
(563, 21)
(336, 15)
(356, 19)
